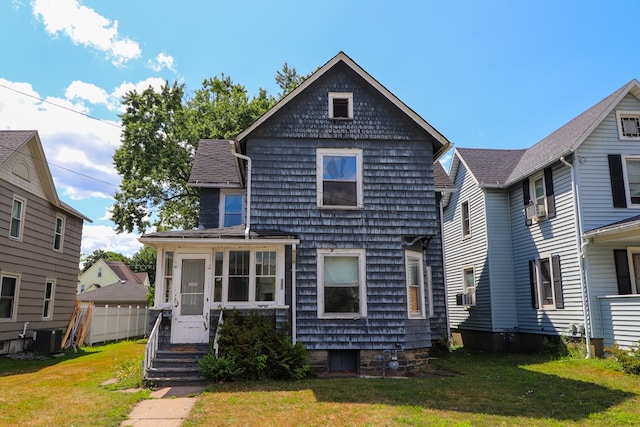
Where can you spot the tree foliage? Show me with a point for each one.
(288, 79)
(144, 261)
(99, 254)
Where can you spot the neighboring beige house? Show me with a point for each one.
(105, 273)
(39, 244)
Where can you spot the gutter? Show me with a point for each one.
(580, 247)
(248, 159)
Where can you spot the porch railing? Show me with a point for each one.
(152, 345)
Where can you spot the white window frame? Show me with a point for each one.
(408, 255)
(168, 259)
(532, 191)
(345, 152)
(620, 115)
(341, 95)
(635, 285)
(360, 254)
(223, 195)
(465, 288)
(279, 291)
(47, 309)
(465, 233)
(538, 276)
(627, 188)
(56, 234)
(21, 219)
(16, 294)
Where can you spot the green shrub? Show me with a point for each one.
(251, 348)
(128, 374)
(629, 359)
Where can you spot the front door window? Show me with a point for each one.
(192, 287)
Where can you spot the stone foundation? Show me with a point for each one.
(376, 362)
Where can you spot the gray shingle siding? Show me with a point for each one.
(399, 200)
(209, 207)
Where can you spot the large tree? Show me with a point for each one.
(98, 254)
(160, 135)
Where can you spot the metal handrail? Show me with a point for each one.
(152, 345)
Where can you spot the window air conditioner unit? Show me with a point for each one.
(467, 299)
(535, 211)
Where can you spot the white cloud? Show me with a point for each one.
(87, 91)
(86, 27)
(105, 238)
(162, 61)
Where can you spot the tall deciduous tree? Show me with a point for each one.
(99, 254)
(160, 137)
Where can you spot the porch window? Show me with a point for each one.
(415, 284)
(546, 282)
(168, 276)
(341, 283)
(247, 277)
(239, 276)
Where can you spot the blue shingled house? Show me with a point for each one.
(325, 214)
(545, 241)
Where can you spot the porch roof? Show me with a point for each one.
(226, 235)
(626, 229)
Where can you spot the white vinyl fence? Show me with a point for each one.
(112, 323)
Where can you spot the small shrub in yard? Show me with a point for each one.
(251, 348)
(629, 359)
(128, 374)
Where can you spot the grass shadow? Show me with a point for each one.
(10, 366)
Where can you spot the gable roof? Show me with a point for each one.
(214, 165)
(441, 144)
(502, 168)
(124, 273)
(441, 180)
(118, 292)
(569, 137)
(12, 141)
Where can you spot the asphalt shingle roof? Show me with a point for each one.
(214, 165)
(123, 272)
(118, 292)
(12, 140)
(490, 167)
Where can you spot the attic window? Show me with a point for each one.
(340, 105)
(628, 124)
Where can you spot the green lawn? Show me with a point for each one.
(466, 389)
(66, 391)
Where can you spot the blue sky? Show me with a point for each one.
(493, 74)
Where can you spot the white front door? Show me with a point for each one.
(191, 299)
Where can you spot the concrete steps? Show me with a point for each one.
(177, 365)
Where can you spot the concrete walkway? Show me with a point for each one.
(168, 407)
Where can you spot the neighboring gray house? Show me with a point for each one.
(325, 214)
(546, 240)
(39, 244)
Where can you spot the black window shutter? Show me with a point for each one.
(557, 281)
(622, 271)
(534, 285)
(551, 198)
(617, 181)
(527, 198)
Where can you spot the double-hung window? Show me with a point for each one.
(231, 208)
(339, 178)
(341, 283)
(627, 263)
(631, 170)
(546, 282)
(415, 284)
(9, 285)
(58, 238)
(17, 218)
(49, 291)
(466, 220)
(167, 276)
(247, 277)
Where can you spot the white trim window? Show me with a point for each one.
(633, 257)
(341, 105)
(628, 125)
(631, 174)
(546, 282)
(17, 218)
(167, 276)
(468, 280)
(538, 193)
(231, 208)
(342, 283)
(466, 220)
(413, 262)
(339, 178)
(49, 296)
(245, 277)
(9, 289)
(58, 239)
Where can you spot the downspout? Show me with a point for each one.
(580, 247)
(444, 276)
(248, 159)
(294, 335)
